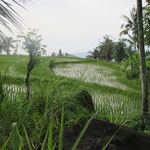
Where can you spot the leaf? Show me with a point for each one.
(113, 136)
(82, 133)
(61, 129)
(14, 136)
(27, 138)
(5, 144)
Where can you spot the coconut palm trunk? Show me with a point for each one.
(145, 94)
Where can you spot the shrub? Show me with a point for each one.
(52, 64)
(132, 66)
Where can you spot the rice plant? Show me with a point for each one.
(116, 107)
(90, 73)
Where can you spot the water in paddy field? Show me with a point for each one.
(116, 103)
(91, 73)
(14, 91)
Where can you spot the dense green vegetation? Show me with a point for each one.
(116, 98)
(131, 50)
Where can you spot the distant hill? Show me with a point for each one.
(81, 55)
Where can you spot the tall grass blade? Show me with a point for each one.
(5, 144)
(82, 133)
(113, 136)
(55, 142)
(61, 129)
(27, 138)
(43, 144)
(14, 136)
(50, 139)
(20, 139)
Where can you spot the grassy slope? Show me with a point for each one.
(15, 68)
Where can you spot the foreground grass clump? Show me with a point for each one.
(17, 140)
(47, 95)
(35, 113)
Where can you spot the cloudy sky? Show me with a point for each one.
(75, 25)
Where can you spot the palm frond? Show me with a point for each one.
(9, 16)
(124, 32)
(122, 26)
(125, 18)
(128, 40)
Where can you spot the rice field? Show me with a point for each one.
(61, 59)
(107, 103)
(14, 91)
(12, 72)
(90, 73)
(116, 104)
(115, 107)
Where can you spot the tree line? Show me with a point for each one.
(110, 50)
(60, 54)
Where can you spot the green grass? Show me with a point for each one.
(41, 73)
(35, 113)
(49, 91)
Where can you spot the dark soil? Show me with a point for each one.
(99, 133)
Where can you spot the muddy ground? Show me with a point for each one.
(98, 134)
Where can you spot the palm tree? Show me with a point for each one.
(145, 93)
(16, 49)
(147, 24)
(148, 1)
(8, 44)
(1, 45)
(130, 28)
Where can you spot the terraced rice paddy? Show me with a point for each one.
(103, 75)
(14, 91)
(90, 73)
(106, 103)
(12, 71)
(116, 104)
(68, 60)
